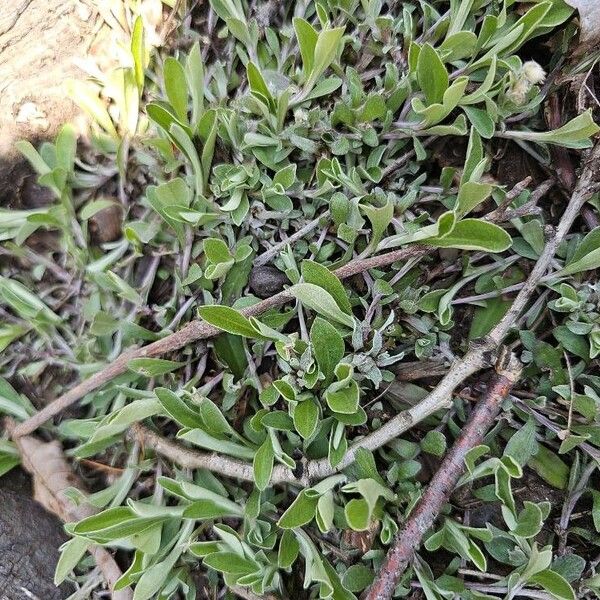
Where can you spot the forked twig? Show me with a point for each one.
(443, 482)
(192, 332)
(475, 359)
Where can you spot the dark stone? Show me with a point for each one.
(29, 542)
(105, 225)
(267, 281)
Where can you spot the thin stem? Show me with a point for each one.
(443, 482)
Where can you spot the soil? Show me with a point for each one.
(40, 41)
(29, 542)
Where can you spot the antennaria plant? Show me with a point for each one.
(314, 192)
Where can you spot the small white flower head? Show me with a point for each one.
(518, 91)
(533, 72)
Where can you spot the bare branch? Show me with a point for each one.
(443, 483)
(472, 362)
(192, 332)
(195, 459)
(479, 355)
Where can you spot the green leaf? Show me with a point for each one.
(27, 305)
(529, 521)
(320, 301)
(301, 511)
(550, 467)
(431, 75)
(326, 48)
(178, 409)
(181, 137)
(288, 550)
(313, 272)
(523, 445)
(574, 134)
(208, 442)
(555, 584)
(306, 417)
(470, 195)
(458, 45)
(277, 419)
(286, 176)
(485, 318)
(474, 234)
(32, 155)
(434, 443)
(94, 207)
(164, 116)
(263, 464)
(176, 87)
(194, 72)
(152, 367)
(357, 578)
(481, 120)
(258, 85)
(343, 400)
(358, 514)
(586, 256)
(379, 217)
(66, 147)
(216, 251)
(307, 40)
(328, 346)
(230, 320)
(138, 52)
(71, 553)
(229, 562)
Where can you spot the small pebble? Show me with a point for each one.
(267, 281)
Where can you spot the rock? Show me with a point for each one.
(40, 41)
(29, 542)
(105, 225)
(267, 281)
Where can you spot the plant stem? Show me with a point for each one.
(443, 482)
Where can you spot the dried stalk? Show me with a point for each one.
(443, 483)
(52, 477)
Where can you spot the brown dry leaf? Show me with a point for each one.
(589, 19)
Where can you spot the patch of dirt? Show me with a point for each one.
(29, 542)
(39, 42)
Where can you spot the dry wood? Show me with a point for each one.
(52, 477)
(479, 355)
(442, 483)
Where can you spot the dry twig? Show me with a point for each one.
(192, 332)
(476, 358)
(443, 482)
(200, 330)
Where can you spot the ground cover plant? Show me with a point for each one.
(318, 290)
